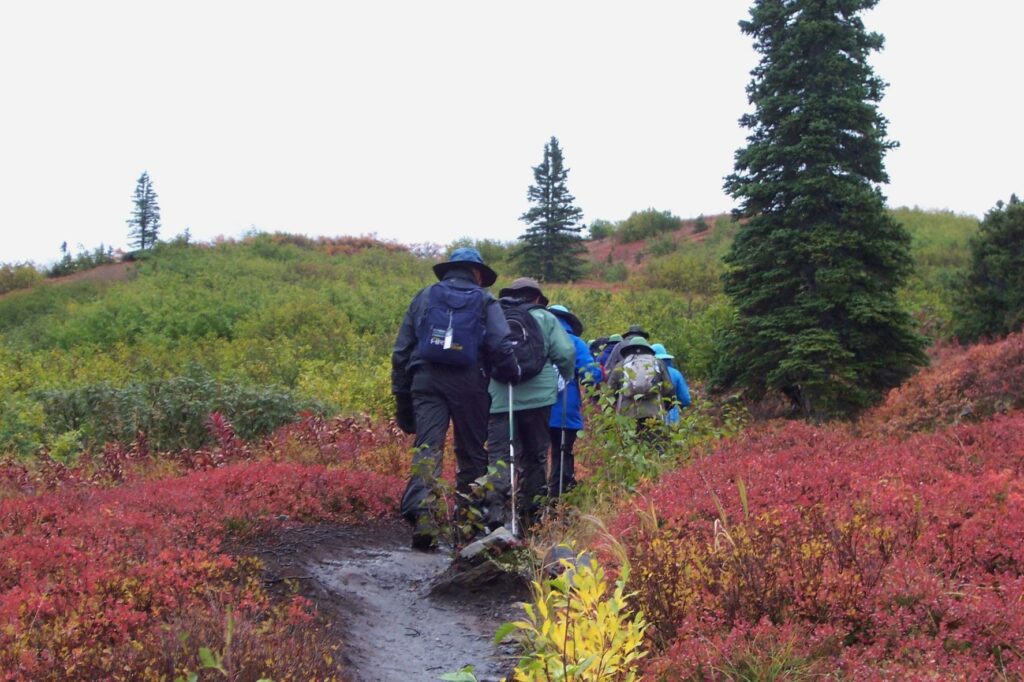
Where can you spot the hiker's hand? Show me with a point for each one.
(509, 375)
(405, 417)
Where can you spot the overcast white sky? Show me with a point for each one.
(420, 121)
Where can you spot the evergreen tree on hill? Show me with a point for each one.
(551, 246)
(144, 225)
(813, 273)
(991, 301)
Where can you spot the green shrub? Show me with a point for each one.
(599, 229)
(66, 448)
(492, 250)
(22, 423)
(18, 276)
(662, 245)
(646, 224)
(172, 413)
(685, 272)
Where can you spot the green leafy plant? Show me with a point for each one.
(464, 674)
(66, 447)
(619, 460)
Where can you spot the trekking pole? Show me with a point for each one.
(561, 449)
(511, 461)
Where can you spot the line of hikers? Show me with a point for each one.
(507, 374)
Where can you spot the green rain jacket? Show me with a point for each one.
(541, 390)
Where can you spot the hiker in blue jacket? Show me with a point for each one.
(613, 342)
(567, 413)
(678, 383)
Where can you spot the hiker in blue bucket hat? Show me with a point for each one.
(453, 338)
(678, 383)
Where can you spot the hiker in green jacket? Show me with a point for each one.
(553, 357)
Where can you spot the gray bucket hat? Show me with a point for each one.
(634, 331)
(522, 286)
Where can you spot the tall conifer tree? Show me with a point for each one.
(144, 225)
(991, 296)
(551, 246)
(814, 271)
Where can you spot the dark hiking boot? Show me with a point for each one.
(423, 539)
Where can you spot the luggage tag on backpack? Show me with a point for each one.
(448, 334)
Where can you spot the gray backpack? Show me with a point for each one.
(641, 374)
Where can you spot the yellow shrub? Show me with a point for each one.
(576, 630)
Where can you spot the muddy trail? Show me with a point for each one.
(394, 609)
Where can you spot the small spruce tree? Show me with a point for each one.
(813, 273)
(551, 246)
(144, 225)
(991, 298)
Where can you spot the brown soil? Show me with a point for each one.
(376, 594)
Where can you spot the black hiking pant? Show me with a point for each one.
(530, 438)
(559, 456)
(441, 393)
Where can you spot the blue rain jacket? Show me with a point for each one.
(682, 392)
(607, 352)
(586, 369)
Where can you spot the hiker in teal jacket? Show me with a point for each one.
(531, 408)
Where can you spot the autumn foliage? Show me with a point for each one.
(130, 581)
(962, 385)
(806, 550)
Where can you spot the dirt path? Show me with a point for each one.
(377, 592)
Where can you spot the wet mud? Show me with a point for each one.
(384, 602)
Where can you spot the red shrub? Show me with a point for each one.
(357, 444)
(879, 558)
(95, 583)
(970, 385)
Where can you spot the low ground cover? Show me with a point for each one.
(962, 385)
(134, 581)
(805, 550)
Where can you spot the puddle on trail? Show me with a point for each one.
(396, 632)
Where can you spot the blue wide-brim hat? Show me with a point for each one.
(574, 322)
(661, 353)
(462, 257)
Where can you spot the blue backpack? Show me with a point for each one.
(452, 330)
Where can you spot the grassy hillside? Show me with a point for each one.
(271, 325)
(689, 262)
(257, 329)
